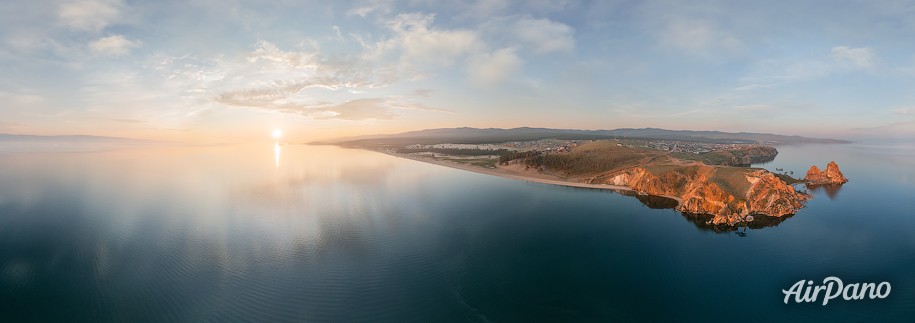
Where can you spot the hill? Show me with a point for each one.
(497, 135)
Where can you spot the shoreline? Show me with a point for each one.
(510, 174)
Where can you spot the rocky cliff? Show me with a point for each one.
(832, 175)
(731, 195)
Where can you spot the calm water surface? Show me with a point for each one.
(319, 233)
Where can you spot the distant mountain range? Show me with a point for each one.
(496, 135)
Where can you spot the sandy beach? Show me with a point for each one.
(516, 172)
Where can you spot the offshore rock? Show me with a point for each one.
(831, 176)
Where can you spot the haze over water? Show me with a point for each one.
(321, 233)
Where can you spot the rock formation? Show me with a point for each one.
(832, 175)
(730, 195)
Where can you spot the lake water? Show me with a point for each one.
(321, 233)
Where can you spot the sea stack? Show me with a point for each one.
(832, 175)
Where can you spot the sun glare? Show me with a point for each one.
(277, 133)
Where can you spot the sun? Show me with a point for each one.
(277, 133)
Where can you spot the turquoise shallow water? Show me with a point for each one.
(320, 233)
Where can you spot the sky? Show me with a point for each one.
(225, 70)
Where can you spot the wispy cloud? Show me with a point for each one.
(354, 110)
(488, 69)
(276, 80)
(841, 59)
(755, 108)
(699, 37)
(365, 8)
(128, 120)
(856, 58)
(423, 92)
(114, 45)
(26, 99)
(544, 35)
(418, 45)
(282, 76)
(90, 15)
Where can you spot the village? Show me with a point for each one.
(558, 145)
(691, 147)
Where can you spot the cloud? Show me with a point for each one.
(482, 10)
(754, 108)
(905, 111)
(271, 75)
(841, 59)
(371, 6)
(90, 15)
(268, 79)
(529, 35)
(764, 109)
(423, 92)
(805, 70)
(857, 58)
(354, 110)
(492, 68)
(698, 37)
(136, 93)
(418, 44)
(485, 8)
(640, 110)
(544, 35)
(490, 53)
(260, 96)
(359, 109)
(21, 98)
(126, 120)
(337, 32)
(277, 80)
(115, 45)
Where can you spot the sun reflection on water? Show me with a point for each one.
(276, 154)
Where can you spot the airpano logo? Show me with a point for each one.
(805, 292)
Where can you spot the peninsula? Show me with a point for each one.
(707, 176)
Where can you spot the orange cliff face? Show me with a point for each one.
(730, 195)
(832, 175)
